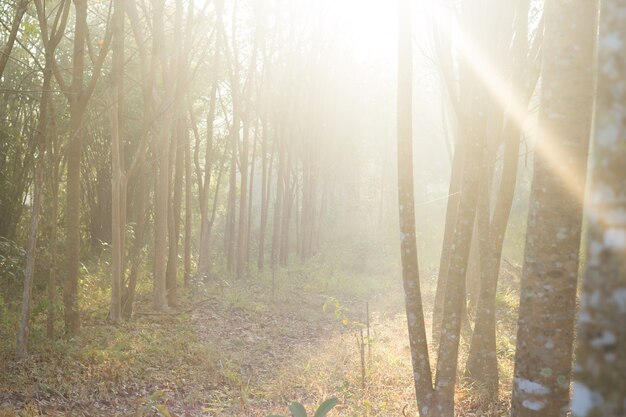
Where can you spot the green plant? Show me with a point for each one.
(12, 261)
(297, 409)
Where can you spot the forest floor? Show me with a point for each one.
(237, 349)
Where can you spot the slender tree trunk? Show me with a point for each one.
(23, 331)
(454, 192)
(118, 220)
(52, 274)
(204, 252)
(266, 177)
(162, 133)
(174, 213)
(473, 272)
(243, 200)
(51, 40)
(482, 365)
(29, 272)
(128, 294)
(204, 255)
(231, 219)
(288, 197)
(74, 150)
(161, 222)
(115, 309)
(78, 95)
(47, 135)
(278, 202)
(251, 198)
(209, 227)
(422, 377)
(455, 294)
(188, 211)
(15, 25)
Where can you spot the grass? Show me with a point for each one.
(243, 347)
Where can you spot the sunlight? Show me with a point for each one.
(504, 92)
(208, 207)
(367, 26)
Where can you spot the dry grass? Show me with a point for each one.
(247, 349)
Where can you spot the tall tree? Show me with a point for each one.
(78, 95)
(22, 6)
(408, 249)
(50, 40)
(548, 290)
(599, 384)
(482, 366)
(204, 256)
(162, 127)
(118, 188)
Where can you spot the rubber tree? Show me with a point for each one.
(78, 94)
(599, 384)
(545, 332)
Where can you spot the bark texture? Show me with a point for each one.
(548, 290)
(422, 377)
(600, 386)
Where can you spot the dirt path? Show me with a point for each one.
(256, 342)
(237, 353)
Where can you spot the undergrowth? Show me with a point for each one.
(243, 347)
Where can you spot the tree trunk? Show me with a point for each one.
(422, 377)
(118, 209)
(23, 331)
(482, 366)
(548, 290)
(231, 220)
(188, 212)
(52, 274)
(174, 213)
(74, 150)
(278, 201)
(15, 25)
(455, 294)
(454, 192)
(251, 197)
(162, 133)
(288, 197)
(204, 255)
(128, 294)
(599, 384)
(266, 177)
(240, 266)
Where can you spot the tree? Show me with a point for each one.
(548, 289)
(78, 95)
(118, 188)
(204, 255)
(599, 385)
(482, 366)
(50, 40)
(408, 248)
(22, 6)
(161, 131)
(472, 130)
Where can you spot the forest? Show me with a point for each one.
(357, 208)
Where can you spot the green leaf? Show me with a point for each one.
(326, 406)
(155, 395)
(164, 411)
(297, 410)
